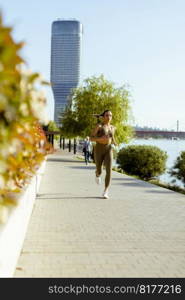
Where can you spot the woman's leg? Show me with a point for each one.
(108, 166)
(98, 156)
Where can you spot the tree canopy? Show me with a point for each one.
(93, 97)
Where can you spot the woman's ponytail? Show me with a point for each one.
(100, 115)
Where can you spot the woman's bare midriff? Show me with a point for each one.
(106, 142)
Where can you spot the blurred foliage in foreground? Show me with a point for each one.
(22, 141)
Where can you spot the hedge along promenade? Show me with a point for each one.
(23, 145)
(144, 161)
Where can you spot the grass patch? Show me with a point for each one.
(168, 186)
(79, 157)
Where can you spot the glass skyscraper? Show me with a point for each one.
(65, 61)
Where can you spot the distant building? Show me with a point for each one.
(65, 61)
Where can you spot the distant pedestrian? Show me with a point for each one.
(103, 135)
(87, 149)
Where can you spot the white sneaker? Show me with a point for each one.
(105, 195)
(98, 179)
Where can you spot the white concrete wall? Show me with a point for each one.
(12, 233)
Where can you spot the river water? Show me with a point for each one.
(173, 149)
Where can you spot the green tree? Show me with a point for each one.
(178, 169)
(93, 97)
(52, 126)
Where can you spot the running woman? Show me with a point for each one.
(103, 135)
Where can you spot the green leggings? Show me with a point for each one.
(103, 153)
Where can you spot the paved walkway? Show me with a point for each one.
(73, 232)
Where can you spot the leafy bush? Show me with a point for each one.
(22, 141)
(141, 160)
(178, 169)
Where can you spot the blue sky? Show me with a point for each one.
(139, 42)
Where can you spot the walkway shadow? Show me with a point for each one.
(65, 160)
(142, 184)
(83, 167)
(160, 192)
(139, 184)
(77, 197)
(124, 178)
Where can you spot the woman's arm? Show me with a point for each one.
(113, 137)
(94, 138)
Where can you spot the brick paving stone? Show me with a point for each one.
(73, 232)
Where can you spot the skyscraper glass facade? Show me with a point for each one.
(65, 61)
